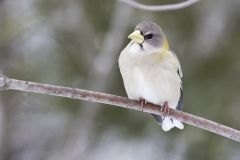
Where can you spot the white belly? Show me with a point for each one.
(153, 88)
(154, 83)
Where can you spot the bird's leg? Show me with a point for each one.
(142, 103)
(165, 107)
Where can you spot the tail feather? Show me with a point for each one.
(168, 123)
(157, 118)
(178, 124)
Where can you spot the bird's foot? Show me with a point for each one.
(142, 103)
(165, 108)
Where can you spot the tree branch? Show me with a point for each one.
(73, 93)
(155, 8)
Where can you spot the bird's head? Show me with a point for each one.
(149, 36)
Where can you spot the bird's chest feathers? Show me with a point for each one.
(149, 77)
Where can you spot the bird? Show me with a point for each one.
(151, 72)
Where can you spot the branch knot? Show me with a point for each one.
(3, 81)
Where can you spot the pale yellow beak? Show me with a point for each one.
(137, 37)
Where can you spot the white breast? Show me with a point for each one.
(149, 78)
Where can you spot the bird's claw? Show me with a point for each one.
(165, 108)
(142, 103)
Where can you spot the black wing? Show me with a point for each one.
(180, 102)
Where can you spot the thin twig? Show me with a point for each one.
(155, 8)
(73, 93)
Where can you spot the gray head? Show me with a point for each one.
(150, 35)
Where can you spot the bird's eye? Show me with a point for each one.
(148, 36)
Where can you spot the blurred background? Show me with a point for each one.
(76, 43)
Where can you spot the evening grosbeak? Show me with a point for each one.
(151, 72)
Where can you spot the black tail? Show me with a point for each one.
(157, 118)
